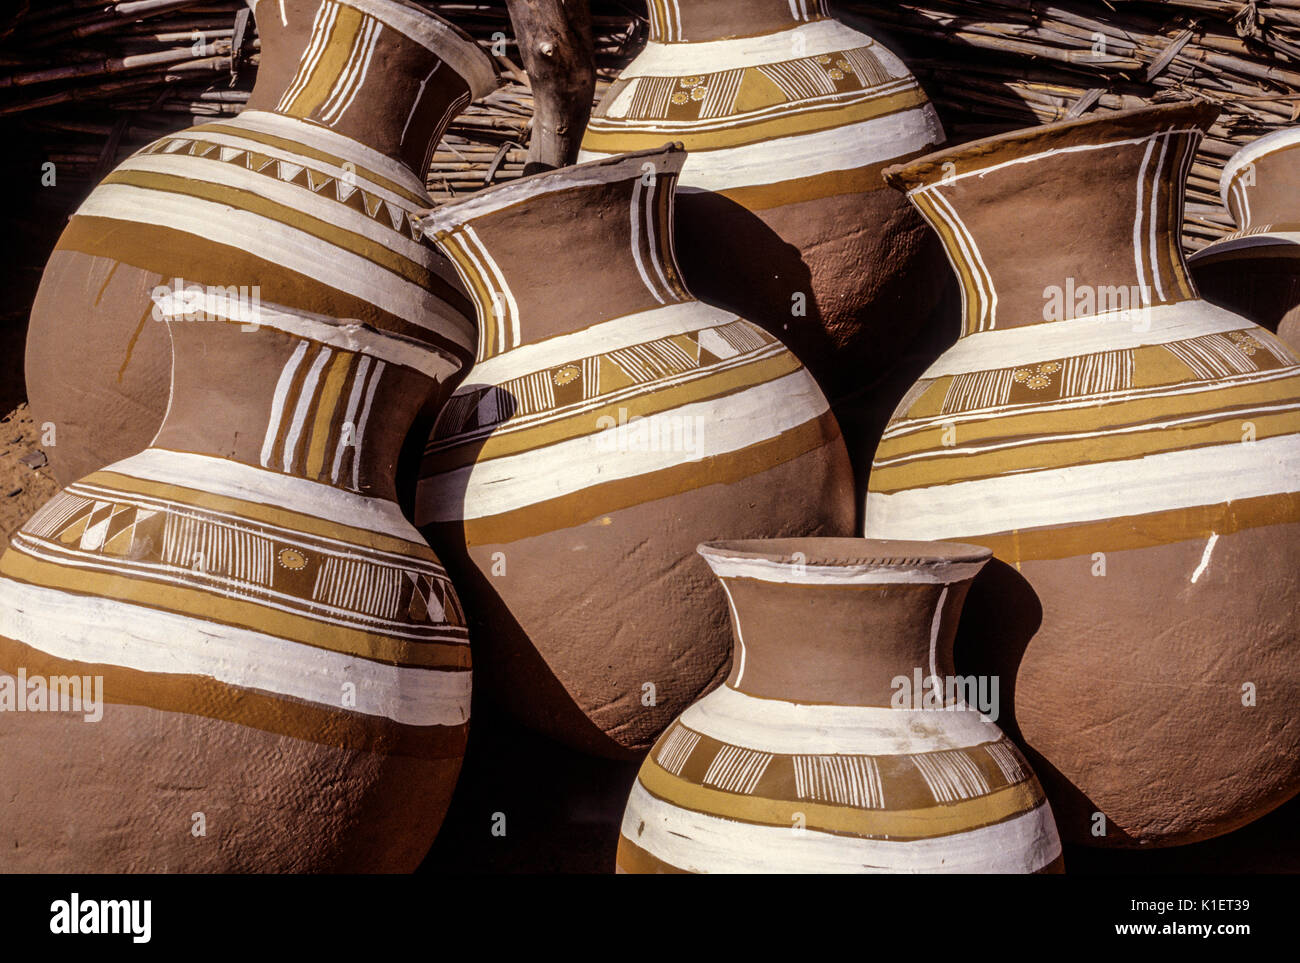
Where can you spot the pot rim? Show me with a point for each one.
(821, 559)
(988, 151)
(670, 158)
(1256, 150)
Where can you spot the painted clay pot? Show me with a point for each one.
(830, 748)
(1256, 271)
(1131, 453)
(305, 198)
(610, 422)
(281, 662)
(790, 116)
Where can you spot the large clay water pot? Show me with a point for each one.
(789, 117)
(610, 422)
(1256, 271)
(304, 200)
(842, 741)
(277, 664)
(1131, 453)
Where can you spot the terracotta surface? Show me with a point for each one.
(272, 668)
(303, 200)
(1134, 466)
(1256, 271)
(841, 741)
(789, 116)
(611, 421)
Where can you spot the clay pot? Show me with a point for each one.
(842, 741)
(1256, 271)
(610, 422)
(1131, 453)
(790, 116)
(304, 200)
(278, 661)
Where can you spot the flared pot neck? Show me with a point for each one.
(558, 252)
(1071, 220)
(841, 621)
(700, 21)
(386, 73)
(320, 399)
(1261, 183)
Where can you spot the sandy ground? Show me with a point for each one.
(22, 489)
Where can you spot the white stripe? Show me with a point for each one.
(805, 155)
(771, 725)
(1112, 331)
(371, 39)
(349, 438)
(1155, 216)
(292, 249)
(1143, 287)
(651, 235)
(505, 484)
(988, 292)
(321, 27)
(277, 402)
(418, 102)
(1085, 493)
(716, 56)
(624, 332)
(321, 205)
(912, 572)
(702, 843)
(365, 419)
(635, 216)
(306, 399)
(735, 621)
(497, 283)
(237, 480)
(107, 631)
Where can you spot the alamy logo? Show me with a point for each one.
(954, 693)
(56, 693)
(674, 433)
(1074, 300)
(105, 916)
(195, 302)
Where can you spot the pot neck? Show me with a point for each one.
(1064, 222)
(320, 399)
(525, 250)
(698, 21)
(1261, 184)
(840, 621)
(385, 73)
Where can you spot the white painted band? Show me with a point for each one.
(772, 725)
(232, 479)
(1111, 331)
(715, 56)
(1254, 152)
(702, 843)
(110, 632)
(1087, 493)
(936, 572)
(719, 426)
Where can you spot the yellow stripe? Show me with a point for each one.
(1035, 421)
(949, 467)
(338, 50)
(325, 411)
(502, 444)
(927, 823)
(217, 607)
(753, 132)
(255, 511)
(453, 245)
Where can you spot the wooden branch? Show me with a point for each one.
(556, 45)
